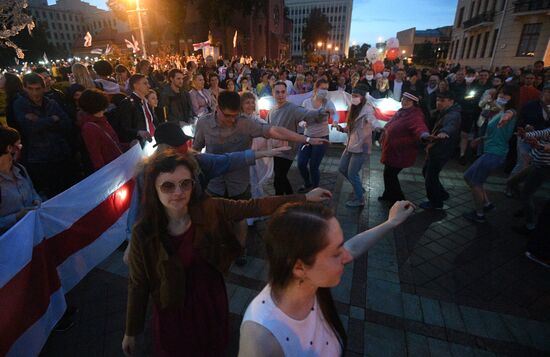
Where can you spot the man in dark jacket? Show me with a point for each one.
(44, 130)
(135, 118)
(445, 136)
(49, 92)
(399, 85)
(174, 101)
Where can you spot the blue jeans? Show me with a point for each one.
(314, 155)
(350, 166)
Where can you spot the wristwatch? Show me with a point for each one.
(308, 139)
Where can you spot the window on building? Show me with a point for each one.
(472, 10)
(55, 35)
(58, 16)
(470, 43)
(66, 27)
(72, 27)
(463, 53)
(528, 40)
(494, 43)
(460, 17)
(452, 47)
(62, 35)
(484, 45)
(476, 48)
(64, 17)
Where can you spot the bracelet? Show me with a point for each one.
(308, 139)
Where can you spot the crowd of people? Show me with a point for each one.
(187, 218)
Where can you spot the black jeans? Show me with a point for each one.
(280, 181)
(540, 243)
(434, 190)
(392, 188)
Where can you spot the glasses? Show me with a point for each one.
(170, 187)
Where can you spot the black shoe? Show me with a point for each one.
(522, 230)
(474, 217)
(462, 160)
(429, 207)
(304, 189)
(241, 261)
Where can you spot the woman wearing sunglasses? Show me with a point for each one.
(181, 245)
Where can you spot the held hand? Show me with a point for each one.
(546, 148)
(31, 116)
(400, 211)
(521, 132)
(55, 118)
(529, 128)
(144, 134)
(318, 195)
(273, 152)
(441, 136)
(533, 142)
(129, 345)
(318, 141)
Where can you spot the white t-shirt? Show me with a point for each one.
(311, 336)
(397, 89)
(319, 130)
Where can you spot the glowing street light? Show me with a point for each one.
(337, 48)
(380, 39)
(354, 43)
(329, 46)
(403, 52)
(319, 44)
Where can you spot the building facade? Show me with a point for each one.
(412, 40)
(493, 33)
(69, 20)
(339, 15)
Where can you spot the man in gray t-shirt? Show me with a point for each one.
(226, 131)
(288, 115)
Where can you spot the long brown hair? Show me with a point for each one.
(353, 113)
(152, 220)
(298, 231)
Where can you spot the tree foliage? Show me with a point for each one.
(317, 29)
(425, 54)
(34, 45)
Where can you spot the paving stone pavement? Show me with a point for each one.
(436, 286)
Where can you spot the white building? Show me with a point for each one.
(339, 15)
(68, 20)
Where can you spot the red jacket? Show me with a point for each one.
(402, 136)
(100, 139)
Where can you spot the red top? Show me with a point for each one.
(100, 139)
(198, 327)
(402, 136)
(527, 94)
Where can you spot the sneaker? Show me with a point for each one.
(474, 217)
(489, 207)
(304, 189)
(542, 261)
(428, 206)
(241, 261)
(355, 203)
(522, 230)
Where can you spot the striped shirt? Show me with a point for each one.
(540, 157)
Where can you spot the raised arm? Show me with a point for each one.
(361, 242)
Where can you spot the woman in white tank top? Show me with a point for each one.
(294, 315)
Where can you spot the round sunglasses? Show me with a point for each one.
(168, 187)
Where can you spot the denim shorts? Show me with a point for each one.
(480, 170)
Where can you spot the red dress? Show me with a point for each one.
(199, 327)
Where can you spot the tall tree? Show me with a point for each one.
(33, 45)
(317, 29)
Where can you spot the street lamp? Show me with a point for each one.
(319, 44)
(336, 48)
(139, 10)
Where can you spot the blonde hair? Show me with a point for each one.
(383, 84)
(82, 76)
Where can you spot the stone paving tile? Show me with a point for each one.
(381, 341)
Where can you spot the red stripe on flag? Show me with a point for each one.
(26, 297)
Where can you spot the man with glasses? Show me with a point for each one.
(226, 131)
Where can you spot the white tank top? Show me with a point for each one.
(311, 336)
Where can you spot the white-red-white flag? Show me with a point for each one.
(134, 45)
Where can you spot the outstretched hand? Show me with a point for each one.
(318, 195)
(275, 151)
(400, 211)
